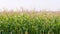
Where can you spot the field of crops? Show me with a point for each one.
(29, 23)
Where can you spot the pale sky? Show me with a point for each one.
(30, 4)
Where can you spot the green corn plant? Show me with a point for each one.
(29, 23)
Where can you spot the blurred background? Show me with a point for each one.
(53, 5)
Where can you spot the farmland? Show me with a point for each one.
(29, 23)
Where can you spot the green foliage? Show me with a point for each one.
(29, 24)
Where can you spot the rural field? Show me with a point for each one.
(43, 22)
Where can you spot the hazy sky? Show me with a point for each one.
(30, 4)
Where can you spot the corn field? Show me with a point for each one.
(29, 23)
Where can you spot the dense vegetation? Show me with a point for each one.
(29, 23)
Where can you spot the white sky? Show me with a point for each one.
(30, 4)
